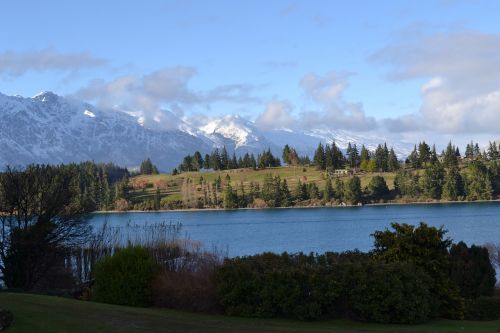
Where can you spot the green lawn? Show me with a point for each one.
(36, 313)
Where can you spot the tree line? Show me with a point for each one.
(221, 160)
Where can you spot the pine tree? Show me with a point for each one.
(453, 187)
(432, 181)
(224, 158)
(206, 162)
(328, 191)
(450, 158)
(319, 157)
(352, 191)
(424, 153)
(393, 164)
(286, 154)
(338, 189)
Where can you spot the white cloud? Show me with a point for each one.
(276, 116)
(17, 63)
(462, 69)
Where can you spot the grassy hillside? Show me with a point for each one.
(144, 186)
(36, 313)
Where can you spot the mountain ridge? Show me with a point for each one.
(48, 128)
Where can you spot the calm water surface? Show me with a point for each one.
(244, 232)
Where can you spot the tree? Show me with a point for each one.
(147, 168)
(352, 155)
(328, 192)
(224, 159)
(338, 189)
(432, 181)
(472, 271)
(197, 161)
(478, 182)
(230, 198)
(40, 221)
(425, 247)
(393, 163)
(453, 187)
(378, 187)
(320, 157)
(286, 154)
(424, 153)
(407, 183)
(450, 158)
(352, 192)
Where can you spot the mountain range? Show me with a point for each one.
(48, 128)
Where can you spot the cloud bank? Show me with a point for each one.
(461, 93)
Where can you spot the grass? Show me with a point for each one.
(170, 185)
(38, 313)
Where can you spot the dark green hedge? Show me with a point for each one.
(483, 308)
(310, 287)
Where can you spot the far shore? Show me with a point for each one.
(437, 202)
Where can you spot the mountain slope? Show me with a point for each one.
(51, 129)
(48, 128)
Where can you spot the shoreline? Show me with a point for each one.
(296, 207)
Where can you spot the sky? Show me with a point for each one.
(410, 70)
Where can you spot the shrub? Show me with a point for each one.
(270, 285)
(125, 278)
(6, 319)
(390, 293)
(483, 308)
(472, 271)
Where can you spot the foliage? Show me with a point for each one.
(352, 190)
(426, 248)
(483, 308)
(391, 293)
(125, 278)
(471, 270)
(378, 186)
(148, 168)
(40, 221)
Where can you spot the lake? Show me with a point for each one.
(245, 232)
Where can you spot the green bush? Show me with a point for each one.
(390, 293)
(483, 308)
(271, 285)
(125, 278)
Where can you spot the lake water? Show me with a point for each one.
(245, 232)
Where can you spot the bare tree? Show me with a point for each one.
(40, 219)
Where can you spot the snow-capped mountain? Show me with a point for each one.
(52, 129)
(48, 128)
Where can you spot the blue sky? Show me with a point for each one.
(354, 65)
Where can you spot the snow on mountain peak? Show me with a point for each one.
(231, 127)
(46, 96)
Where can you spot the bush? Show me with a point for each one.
(270, 285)
(390, 293)
(472, 271)
(125, 278)
(483, 308)
(6, 319)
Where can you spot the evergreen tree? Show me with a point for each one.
(450, 158)
(230, 198)
(453, 187)
(338, 189)
(352, 192)
(393, 163)
(197, 161)
(320, 157)
(328, 193)
(478, 182)
(378, 187)
(224, 158)
(353, 155)
(286, 195)
(432, 181)
(424, 153)
(286, 154)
